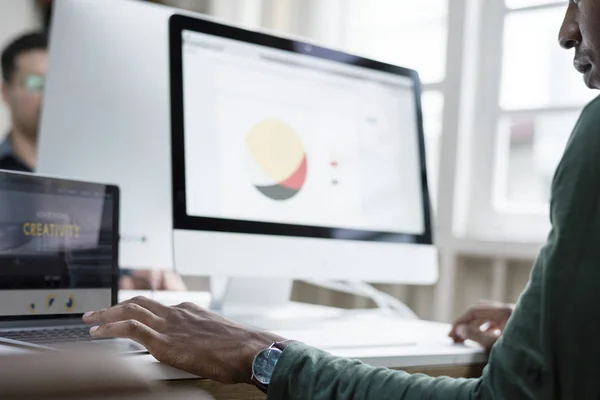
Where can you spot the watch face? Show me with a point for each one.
(264, 364)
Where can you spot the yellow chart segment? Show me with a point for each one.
(276, 147)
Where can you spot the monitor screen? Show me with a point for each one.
(297, 139)
(57, 246)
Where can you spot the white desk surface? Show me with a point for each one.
(433, 349)
(436, 352)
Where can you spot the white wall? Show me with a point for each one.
(16, 16)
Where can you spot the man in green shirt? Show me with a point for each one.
(549, 348)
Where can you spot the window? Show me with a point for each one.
(530, 97)
(398, 32)
(531, 146)
(412, 35)
(541, 81)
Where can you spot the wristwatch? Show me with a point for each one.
(264, 364)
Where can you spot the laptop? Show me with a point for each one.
(59, 243)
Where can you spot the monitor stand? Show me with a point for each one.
(264, 303)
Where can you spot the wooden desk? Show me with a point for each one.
(147, 367)
(246, 392)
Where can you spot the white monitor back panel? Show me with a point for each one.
(106, 115)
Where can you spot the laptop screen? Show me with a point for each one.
(58, 246)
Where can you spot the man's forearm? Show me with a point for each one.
(306, 373)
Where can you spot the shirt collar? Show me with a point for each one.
(6, 148)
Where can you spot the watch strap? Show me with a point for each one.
(262, 387)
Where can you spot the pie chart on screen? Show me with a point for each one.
(276, 159)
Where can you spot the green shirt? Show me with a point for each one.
(550, 348)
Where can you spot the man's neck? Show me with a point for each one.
(25, 148)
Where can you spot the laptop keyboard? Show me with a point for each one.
(49, 335)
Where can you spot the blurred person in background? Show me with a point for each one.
(24, 67)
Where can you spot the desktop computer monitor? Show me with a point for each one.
(293, 160)
(289, 160)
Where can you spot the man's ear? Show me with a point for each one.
(5, 95)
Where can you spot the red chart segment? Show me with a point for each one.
(296, 181)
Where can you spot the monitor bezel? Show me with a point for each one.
(48, 181)
(182, 221)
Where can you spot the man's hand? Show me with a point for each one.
(185, 336)
(482, 323)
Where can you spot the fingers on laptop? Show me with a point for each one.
(138, 319)
(124, 312)
(130, 329)
(149, 304)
